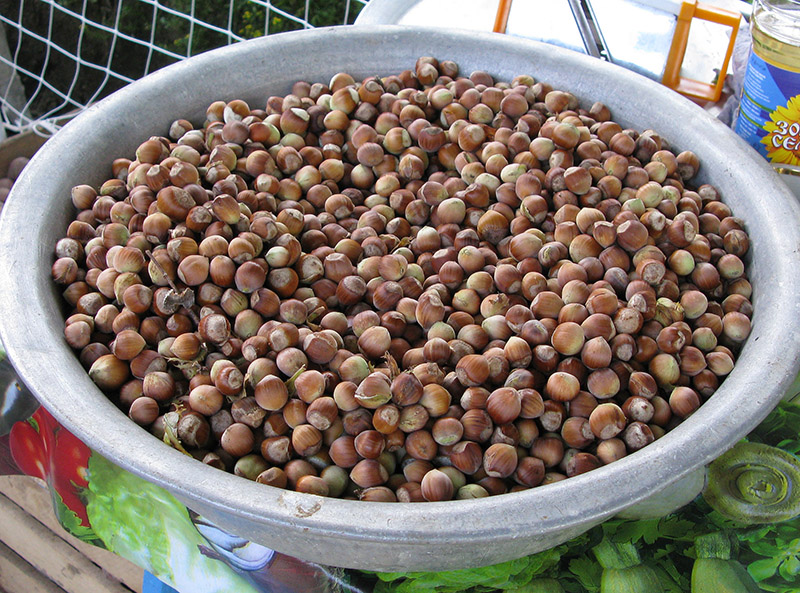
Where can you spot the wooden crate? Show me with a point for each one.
(38, 556)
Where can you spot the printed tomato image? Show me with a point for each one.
(28, 448)
(69, 463)
(42, 448)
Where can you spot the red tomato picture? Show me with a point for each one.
(28, 448)
(69, 461)
(41, 447)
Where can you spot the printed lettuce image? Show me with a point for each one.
(165, 542)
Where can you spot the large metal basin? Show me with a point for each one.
(383, 536)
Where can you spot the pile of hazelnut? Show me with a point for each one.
(418, 287)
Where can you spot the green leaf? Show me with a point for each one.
(790, 568)
(791, 445)
(765, 548)
(681, 577)
(390, 576)
(788, 529)
(587, 571)
(782, 424)
(719, 520)
(536, 566)
(72, 523)
(663, 553)
(761, 570)
(634, 531)
(609, 528)
(667, 581)
(753, 535)
(404, 587)
(674, 527)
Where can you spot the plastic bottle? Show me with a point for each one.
(769, 113)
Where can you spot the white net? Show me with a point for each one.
(58, 56)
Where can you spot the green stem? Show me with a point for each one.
(616, 554)
(713, 545)
(290, 381)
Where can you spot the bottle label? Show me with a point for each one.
(769, 112)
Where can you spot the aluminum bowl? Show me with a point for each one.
(383, 536)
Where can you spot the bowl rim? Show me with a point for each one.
(547, 509)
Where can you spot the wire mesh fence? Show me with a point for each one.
(58, 56)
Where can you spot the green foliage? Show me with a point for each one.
(648, 531)
(587, 572)
(506, 576)
(150, 38)
(781, 428)
(772, 554)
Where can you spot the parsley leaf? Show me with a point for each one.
(72, 523)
